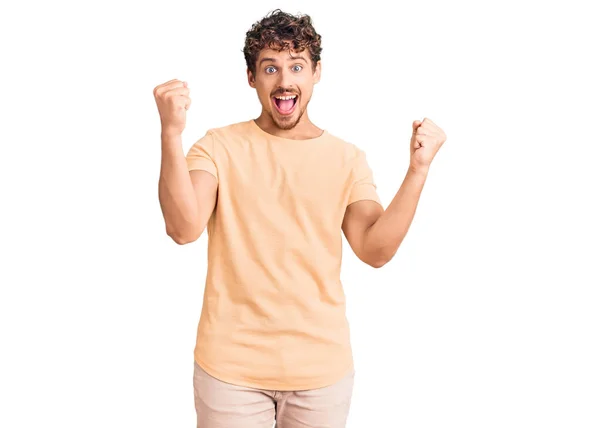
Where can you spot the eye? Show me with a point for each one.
(267, 69)
(299, 66)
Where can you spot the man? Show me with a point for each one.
(275, 193)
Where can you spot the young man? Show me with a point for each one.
(275, 194)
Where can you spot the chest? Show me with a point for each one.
(318, 177)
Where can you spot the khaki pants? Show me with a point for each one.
(223, 405)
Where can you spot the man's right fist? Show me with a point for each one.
(172, 99)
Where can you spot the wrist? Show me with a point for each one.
(167, 137)
(420, 170)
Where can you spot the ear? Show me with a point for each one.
(250, 78)
(317, 73)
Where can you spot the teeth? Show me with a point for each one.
(290, 97)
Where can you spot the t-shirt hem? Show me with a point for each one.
(362, 192)
(203, 167)
(201, 164)
(273, 386)
(365, 198)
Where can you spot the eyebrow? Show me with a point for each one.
(274, 60)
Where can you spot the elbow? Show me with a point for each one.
(378, 263)
(182, 238)
(380, 260)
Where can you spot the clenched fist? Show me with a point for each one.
(172, 99)
(427, 138)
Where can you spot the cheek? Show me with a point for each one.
(306, 94)
(265, 97)
(262, 91)
(306, 87)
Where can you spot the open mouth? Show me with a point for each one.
(285, 105)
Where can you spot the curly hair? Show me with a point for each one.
(280, 31)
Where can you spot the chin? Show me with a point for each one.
(286, 122)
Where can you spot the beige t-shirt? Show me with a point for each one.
(274, 310)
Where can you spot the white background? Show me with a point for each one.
(487, 316)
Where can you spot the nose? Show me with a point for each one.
(285, 78)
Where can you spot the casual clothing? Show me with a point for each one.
(274, 309)
(222, 405)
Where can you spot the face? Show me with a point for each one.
(284, 74)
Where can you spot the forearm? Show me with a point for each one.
(387, 233)
(175, 190)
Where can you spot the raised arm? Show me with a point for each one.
(187, 187)
(187, 198)
(375, 234)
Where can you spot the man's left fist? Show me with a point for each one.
(427, 138)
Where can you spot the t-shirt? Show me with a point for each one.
(274, 309)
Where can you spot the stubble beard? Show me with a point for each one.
(287, 123)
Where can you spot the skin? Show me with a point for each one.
(373, 233)
(376, 234)
(287, 71)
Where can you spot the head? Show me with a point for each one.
(283, 57)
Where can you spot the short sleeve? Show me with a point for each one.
(201, 155)
(363, 183)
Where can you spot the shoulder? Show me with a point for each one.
(216, 138)
(349, 150)
(225, 132)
